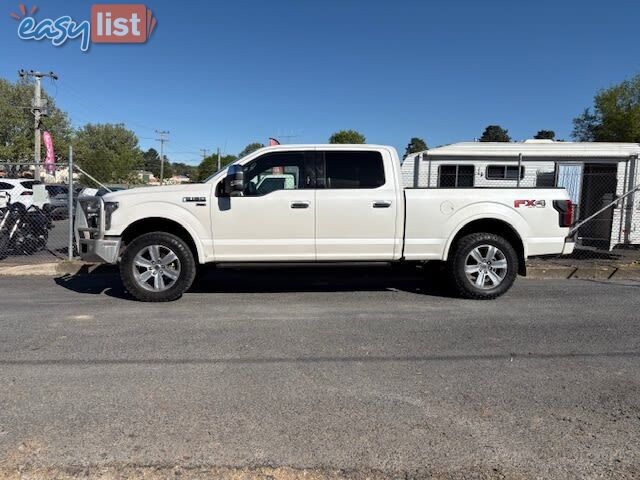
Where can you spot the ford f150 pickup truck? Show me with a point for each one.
(320, 203)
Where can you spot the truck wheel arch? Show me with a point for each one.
(497, 227)
(159, 224)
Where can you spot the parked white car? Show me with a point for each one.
(26, 191)
(324, 203)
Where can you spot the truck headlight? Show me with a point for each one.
(91, 208)
(109, 208)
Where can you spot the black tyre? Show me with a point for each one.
(157, 267)
(34, 239)
(482, 266)
(4, 245)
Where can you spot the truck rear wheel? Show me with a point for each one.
(157, 267)
(482, 266)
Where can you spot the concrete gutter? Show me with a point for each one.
(537, 271)
(584, 272)
(54, 269)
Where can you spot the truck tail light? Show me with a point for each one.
(565, 212)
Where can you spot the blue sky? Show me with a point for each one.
(229, 73)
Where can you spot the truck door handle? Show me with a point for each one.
(300, 204)
(382, 204)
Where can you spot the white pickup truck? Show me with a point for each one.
(320, 203)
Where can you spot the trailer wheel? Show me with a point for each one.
(482, 266)
(157, 267)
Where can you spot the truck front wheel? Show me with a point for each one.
(157, 267)
(482, 266)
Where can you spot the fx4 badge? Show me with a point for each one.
(529, 203)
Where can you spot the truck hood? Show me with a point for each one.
(158, 193)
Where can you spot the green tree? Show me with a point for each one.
(209, 165)
(151, 159)
(184, 169)
(108, 152)
(347, 136)
(16, 123)
(615, 116)
(585, 127)
(545, 135)
(415, 145)
(252, 147)
(495, 133)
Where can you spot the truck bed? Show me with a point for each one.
(435, 215)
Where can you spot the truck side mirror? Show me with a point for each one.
(234, 181)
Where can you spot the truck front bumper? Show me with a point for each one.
(104, 250)
(569, 245)
(93, 245)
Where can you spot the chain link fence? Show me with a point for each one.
(606, 201)
(35, 223)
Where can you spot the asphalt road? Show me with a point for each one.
(359, 370)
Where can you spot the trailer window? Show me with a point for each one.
(504, 172)
(456, 176)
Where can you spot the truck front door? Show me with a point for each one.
(274, 219)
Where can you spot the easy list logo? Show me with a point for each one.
(130, 23)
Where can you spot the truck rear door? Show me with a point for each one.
(356, 206)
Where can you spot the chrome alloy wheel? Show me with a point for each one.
(156, 268)
(486, 266)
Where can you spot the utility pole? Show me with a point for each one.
(162, 133)
(219, 166)
(205, 153)
(39, 110)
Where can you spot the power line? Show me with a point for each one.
(205, 153)
(192, 152)
(90, 106)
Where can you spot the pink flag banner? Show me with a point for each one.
(49, 161)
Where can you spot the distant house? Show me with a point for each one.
(179, 179)
(146, 177)
(61, 175)
(594, 174)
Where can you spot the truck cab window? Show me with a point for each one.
(355, 170)
(272, 172)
